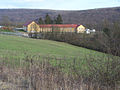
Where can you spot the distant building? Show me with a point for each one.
(80, 29)
(34, 27)
(1, 26)
(88, 31)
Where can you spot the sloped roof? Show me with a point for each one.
(80, 25)
(53, 25)
(27, 23)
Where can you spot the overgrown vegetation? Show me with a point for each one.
(6, 29)
(42, 64)
(46, 72)
(48, 20)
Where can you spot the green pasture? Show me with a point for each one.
(6, 30)
(14, 50)
(20, 45)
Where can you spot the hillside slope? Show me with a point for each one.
(19, 46)
(93, 16)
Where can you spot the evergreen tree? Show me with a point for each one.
(59, 20)
(40, 21)
(48, 19)
(106, 31)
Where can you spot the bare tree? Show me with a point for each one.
(6, 21)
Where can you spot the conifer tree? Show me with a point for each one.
(40, 21)
(59, 20)
(48, 19)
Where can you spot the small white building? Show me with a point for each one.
(1, 26)
(88, 31)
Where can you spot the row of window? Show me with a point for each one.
(52, 29)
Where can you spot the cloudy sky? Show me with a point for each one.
(59, 4)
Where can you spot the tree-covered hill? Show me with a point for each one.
(93, 16)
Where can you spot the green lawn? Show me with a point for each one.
(13, 49)
(1, 30)
(20, 45)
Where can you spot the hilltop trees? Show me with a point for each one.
(48, 20)
(40, 21)
(58, 20)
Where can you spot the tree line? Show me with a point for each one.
(6, 21)
(106, 40)
(49, 20)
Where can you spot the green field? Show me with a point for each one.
(6, 30)
(23, 45)
(15, 49)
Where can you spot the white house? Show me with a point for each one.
(88, 31)
(1, 26)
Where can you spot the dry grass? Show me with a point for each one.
(41, 75)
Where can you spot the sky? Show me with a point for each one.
(59, 4)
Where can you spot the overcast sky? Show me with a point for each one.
(59, 4)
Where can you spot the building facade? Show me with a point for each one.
(32, 27)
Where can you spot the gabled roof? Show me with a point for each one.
(27, 23)
(80, 25)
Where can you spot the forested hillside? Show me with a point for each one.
(86, 17)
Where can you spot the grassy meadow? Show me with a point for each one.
(20, 45)
(6, 30)
(14, 49)
(40, 63)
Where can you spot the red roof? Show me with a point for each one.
(59, 25)
(53, 25)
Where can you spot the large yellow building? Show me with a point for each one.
(34, 27)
